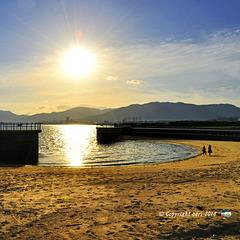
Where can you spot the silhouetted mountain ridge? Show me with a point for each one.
(160, 111)
(153, 111)
(7, 116)
(75, 114)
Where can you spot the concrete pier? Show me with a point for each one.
(188, 133)
(19, 143)
(111, 134)
(108, 134)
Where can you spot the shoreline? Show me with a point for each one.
(191, 155)
(127, 202)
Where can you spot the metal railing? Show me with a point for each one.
(20, 126)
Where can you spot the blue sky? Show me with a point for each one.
(145, 50)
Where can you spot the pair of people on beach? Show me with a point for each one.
(204, 150)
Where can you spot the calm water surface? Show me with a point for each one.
(76, 145)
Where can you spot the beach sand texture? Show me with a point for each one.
(129, 202)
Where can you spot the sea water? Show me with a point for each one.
(77, 146)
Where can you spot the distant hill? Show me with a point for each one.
(75, 114)
(223, 110)
(159, 111)
(7, 116)
(154, 111)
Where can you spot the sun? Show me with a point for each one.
(78, 61)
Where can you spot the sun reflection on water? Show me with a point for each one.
(77, 143)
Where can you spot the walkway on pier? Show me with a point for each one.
(19, 126)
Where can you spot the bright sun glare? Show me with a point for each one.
(78, 61)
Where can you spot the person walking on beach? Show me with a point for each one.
(209, 150)
(204, 151)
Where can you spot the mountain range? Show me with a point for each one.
(153, 111)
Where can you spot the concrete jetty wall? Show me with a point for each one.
(184, 133)
(110, 134)
(19, 147)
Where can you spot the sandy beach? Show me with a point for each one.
(176, 200)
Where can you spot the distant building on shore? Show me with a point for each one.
(132, 120)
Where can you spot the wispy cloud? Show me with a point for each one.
(63, 107)
(203, 71)
(206, 65)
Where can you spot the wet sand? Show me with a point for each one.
(176, 200)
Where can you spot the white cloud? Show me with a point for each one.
(134, 82)
(112, 78)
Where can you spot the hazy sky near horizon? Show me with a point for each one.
(143, 50)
